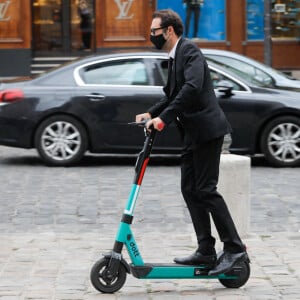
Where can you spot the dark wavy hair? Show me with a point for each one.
(169, 18)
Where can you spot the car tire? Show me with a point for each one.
(280, 141)
(61, 140)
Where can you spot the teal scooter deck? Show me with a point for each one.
(174, 271)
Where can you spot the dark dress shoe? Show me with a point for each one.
(227, 261)
(197, 259)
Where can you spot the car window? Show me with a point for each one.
(242, 69)
(123, 72)
(216, 77)
(163, 70)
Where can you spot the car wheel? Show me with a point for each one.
(61, 140)
(280, 142)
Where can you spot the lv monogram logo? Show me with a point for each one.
(124, 7)
(3, 10)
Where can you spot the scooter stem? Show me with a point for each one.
(144, 156)
(124, 235)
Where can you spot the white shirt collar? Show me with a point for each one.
(173, 50)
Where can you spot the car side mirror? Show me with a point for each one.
(225, 87)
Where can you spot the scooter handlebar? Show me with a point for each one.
(141, 123)
(159, 125)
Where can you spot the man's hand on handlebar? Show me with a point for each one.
(156, 123)
(142, 117)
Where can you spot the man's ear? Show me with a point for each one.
(170, 29)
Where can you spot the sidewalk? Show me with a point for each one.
(55, 223)
(50, 265)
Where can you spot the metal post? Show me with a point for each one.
(268, 33)
(66, 26)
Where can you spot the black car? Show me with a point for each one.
(87, 105)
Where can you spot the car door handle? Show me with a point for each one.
(95, 97)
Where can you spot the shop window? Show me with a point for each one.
(205, 21)
(63, 25)
(285, 19)
(47, 16)
(255, 19)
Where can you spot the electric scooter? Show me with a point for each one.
(108, 274)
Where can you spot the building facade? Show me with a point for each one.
(68, 28)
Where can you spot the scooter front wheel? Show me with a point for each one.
(103, 281)
(242, 271)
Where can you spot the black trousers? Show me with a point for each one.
(195, 9)
(86, 39)
(199, 178)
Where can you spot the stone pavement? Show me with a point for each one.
(56, 222)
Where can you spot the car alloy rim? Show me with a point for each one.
(61, 140)
(284, 142)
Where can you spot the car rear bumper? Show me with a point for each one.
(15, 132)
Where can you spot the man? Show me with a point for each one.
(85, 24)
(191, 102)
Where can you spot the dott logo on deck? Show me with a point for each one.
(3, 10)
(134, 250)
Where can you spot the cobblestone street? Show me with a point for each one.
(56, 222)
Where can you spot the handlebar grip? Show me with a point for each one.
(161, 125)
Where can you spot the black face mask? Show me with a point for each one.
(158, 40)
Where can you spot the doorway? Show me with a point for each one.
(60, 27)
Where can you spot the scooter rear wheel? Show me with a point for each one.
(101, 279)
(242, 271)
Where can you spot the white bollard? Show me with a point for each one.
(234, 186)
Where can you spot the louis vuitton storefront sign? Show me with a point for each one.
(3, 11)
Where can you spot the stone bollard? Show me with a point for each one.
(234, 185)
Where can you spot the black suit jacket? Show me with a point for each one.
(190, 97)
